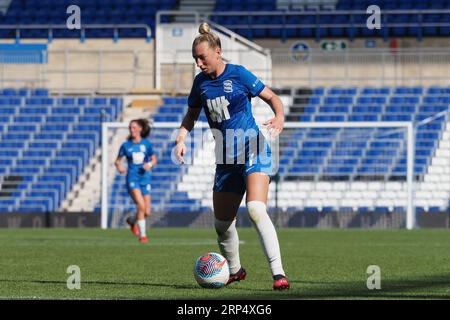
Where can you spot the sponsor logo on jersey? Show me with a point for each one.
(218, 109)
(138, 157)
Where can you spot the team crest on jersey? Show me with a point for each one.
(228, 86)
(142, 148)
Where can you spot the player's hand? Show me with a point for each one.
(148, 166)
(180, 151)
(274, 126)
(122, 169)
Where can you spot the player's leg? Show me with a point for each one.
(145, 189)
(132, 220)
(139, 200)
(147, 201)
(229, 188)
(148, 209)
(226, 205)
(256, 199)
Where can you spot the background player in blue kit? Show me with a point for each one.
(141, 159)
(224, 92)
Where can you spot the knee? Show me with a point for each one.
(257, 210)
(141, 208)
(223, 226)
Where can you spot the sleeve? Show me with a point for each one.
(194, 99)
(122, 151)
(251, 82)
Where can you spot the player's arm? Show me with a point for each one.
(149, 165)
(275, 124)
(119, 165)
(187, 124)
(154, 160)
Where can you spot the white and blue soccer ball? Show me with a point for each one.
(211, 270)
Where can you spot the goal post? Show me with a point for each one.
(408, 127)
(344, 138)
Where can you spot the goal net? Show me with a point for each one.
(320, 167)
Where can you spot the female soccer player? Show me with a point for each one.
(224, 92)
(141, 159)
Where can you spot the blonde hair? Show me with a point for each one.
(206, 35)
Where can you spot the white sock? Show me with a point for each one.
(228, 240)
(141, 225)
(267, 235)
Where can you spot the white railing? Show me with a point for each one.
(50, 27)
(122, 70)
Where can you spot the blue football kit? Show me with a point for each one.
(240, 147)
(137, 154)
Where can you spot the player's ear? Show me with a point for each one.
(218, 51)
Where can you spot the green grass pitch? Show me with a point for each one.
(320, 264)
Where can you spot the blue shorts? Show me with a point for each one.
(231, 177)
(136, 184)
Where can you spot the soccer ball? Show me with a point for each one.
(211, 270)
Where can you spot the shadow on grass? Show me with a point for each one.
(108, 283)
(411, 288)
(390, 289)
(118, 283)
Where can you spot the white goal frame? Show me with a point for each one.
(408, 126)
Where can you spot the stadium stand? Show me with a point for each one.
(45, 144)
(318, 18)
(369, 104)
(312, 162)
(47, 141)
(93, 12)
(251, 19)
(167, 174)
(315, 173)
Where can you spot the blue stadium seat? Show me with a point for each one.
(28, 119)
(66, 110)
(31, 162)
(49, 136)
(34, 110)
(11, 102)
(60, 119)
(40, 92)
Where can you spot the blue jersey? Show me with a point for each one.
(137, 154)
(226, 102)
